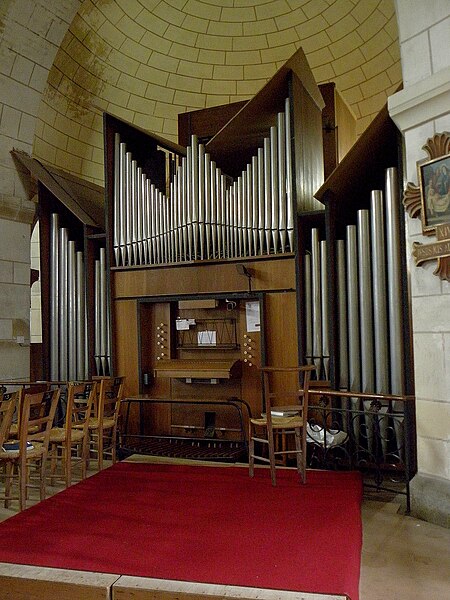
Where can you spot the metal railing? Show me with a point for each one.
(372, 433)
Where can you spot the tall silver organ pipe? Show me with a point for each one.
(379, 294)
(316, 302)
(289, 177)
(69, 358)
(308, 309)
(353, 310)
(369, 309)
(281, 139)
(63, 312)
(394, 282)
(342, 314)
(274, 189)
(324, 309)
(71, 311)
(201, 213)
(81, 372)
(354, 367)
(54, 298)
(365, 302)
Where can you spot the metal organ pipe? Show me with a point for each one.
(71, 312)
(281, 139)
(289, 178)
(379, 294)
(353, 319)
(97, 319)
(342, 314)
(394, 283)
(365, 301)
(116, 204)
(203, 214)
(63, 350)
(267, 194)
(324, 308)
(353, 310)
(308, 309)
(54, 298)
(261, 199)
(80, 318)
(316, 302)
(274, 185)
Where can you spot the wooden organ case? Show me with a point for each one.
(203, 257)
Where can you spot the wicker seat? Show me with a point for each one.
(69, 445)
(281, 384)
(29, 459)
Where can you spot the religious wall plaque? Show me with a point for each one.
(430, 200)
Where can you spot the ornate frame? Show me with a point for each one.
(431, 203)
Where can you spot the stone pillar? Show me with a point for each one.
(31, 34)
(420, 110)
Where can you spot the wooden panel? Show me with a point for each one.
(202, 369)
(251, 351)
(233, 146)
(281, 330)
(126, 344)
(273, 274)
(346, 124)
(155, 320)
(207, 122)
(308, 144)
(24, 582)
(142, 588)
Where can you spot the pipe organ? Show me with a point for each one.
(206, 214)
(69, 348)
(367, 304)
(181, 237)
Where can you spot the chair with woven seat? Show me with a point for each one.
(69, 445)
(285, 396)
(31, 450)
(31, 388)
(103, 423)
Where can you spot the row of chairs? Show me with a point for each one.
(31, 438)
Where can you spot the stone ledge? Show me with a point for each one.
(430, 499)
(17, 209)
(422, 102)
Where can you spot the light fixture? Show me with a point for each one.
(242, 270)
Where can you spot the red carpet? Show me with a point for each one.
(204, 524)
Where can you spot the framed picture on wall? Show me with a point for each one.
(434, 180)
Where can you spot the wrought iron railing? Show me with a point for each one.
(374, 434)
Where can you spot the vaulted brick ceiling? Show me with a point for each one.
(148, 60)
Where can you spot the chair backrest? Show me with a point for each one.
(109, 398)
(79, 405)
(8, 404)
(37, 415)
(286, 387)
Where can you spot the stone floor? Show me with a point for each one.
(402, 557)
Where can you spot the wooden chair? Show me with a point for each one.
(69, 445)
(103, 425)
(8, 406)
(281, 384)
(31, 388)
(37, 414)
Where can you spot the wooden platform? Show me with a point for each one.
(24, 582)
